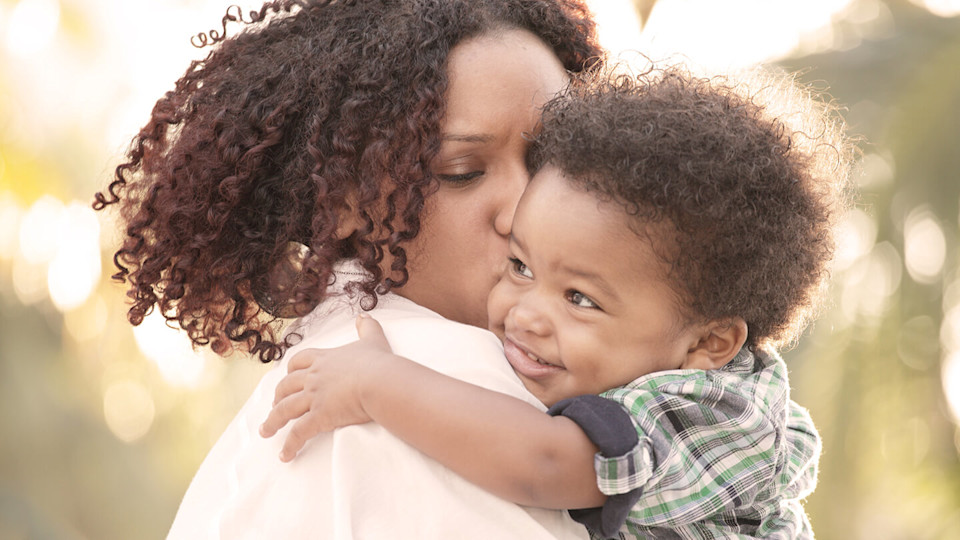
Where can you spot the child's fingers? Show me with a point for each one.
(283, 411)
(302, 431)
(370, 331)
(289, 385)
(303, 359)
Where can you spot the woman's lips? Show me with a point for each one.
(525, 363)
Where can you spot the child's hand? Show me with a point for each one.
(322, 388)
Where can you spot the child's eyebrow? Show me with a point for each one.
(592, 277)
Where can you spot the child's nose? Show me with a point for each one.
(529, 316)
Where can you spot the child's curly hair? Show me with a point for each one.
(318, 108)
(752, 197)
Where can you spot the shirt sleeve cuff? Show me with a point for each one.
(608, 425)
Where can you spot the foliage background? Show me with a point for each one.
(99, 440)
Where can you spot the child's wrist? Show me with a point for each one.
(375, 380)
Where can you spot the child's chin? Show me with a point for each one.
(548, 399)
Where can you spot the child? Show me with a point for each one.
(673, 234)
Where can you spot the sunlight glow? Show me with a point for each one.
(925, 247)
(128, 409)
(75, 269)
(950, 330)
(855, 238)
(943, 8)
(9, 224)
(617, 24)
(950, 375)
(32, 26)
(908, 440)
(917, 343)
(29, 281)
(59, 252)
(878, 171)
(170, 350)
(871, 282)
(40, 229)
(737, 33)
(87, 321)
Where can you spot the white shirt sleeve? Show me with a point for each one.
(360, 482)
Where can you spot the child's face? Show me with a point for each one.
(584, 305)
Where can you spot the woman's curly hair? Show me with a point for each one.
(749, 196)
(315, 110)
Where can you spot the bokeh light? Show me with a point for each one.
(950, 375)
(32, 26)
(880, 372)
(87, 321)
(855, 238)
(950, 329)
(40, 230)
(943, 8)
(128, 409)
(58, 251)
(29, 280)
(690, 28)
(870, 283)
(9, 224)
(170, 350)
(75, 269)
(924, 245)
(878, 171)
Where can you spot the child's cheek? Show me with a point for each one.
(498, 305)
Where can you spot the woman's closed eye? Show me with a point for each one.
(519, 268)
(579, 299)
(459, 179)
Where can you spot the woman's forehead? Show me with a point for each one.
(503, 75)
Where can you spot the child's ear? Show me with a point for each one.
(720, 341)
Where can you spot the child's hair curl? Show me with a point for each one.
(315, 110)
(750, 196)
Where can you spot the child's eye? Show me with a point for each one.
(520, 268)
(579, 299)
(460, 178)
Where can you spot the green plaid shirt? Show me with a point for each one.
(721, 454)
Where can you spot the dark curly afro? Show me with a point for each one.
(231, 194)
(751, 195)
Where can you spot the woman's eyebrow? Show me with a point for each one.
(468, 137)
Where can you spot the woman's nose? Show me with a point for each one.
(511, 189)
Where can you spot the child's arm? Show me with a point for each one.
(495, 441)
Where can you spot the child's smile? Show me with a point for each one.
(525, 362)
(584, 305)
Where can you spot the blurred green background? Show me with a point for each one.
(98, 439)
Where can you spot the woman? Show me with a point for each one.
(364, 154)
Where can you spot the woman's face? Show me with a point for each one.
(498, 83)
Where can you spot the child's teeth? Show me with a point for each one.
(536, 359)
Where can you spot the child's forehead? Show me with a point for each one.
(560, 213)
(551, 190)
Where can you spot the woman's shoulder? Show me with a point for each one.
(399, 316)
(462, 351)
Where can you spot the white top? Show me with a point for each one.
(360, 481)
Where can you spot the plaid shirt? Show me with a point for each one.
(717, 454)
